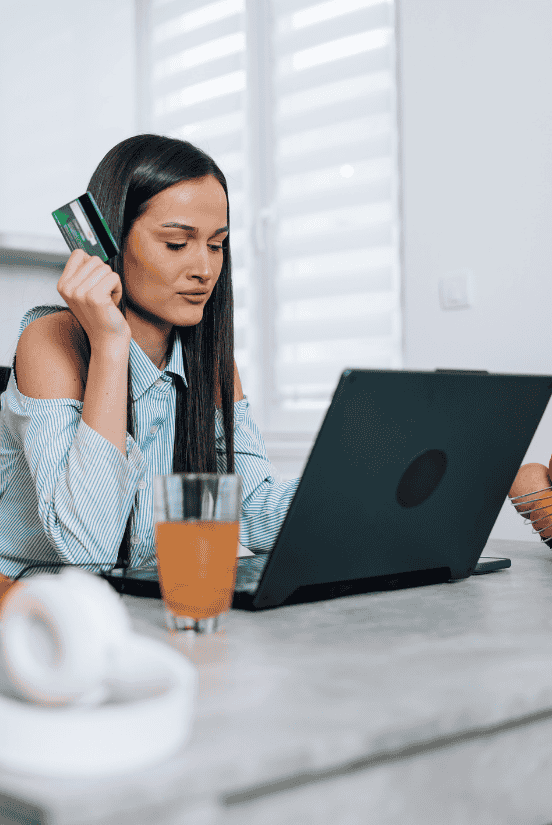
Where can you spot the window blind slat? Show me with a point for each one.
(172, 19)
(305, 13)
(209, 43)
(350, 283)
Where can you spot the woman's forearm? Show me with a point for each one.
(104, 406)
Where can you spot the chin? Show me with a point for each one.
(187, 318)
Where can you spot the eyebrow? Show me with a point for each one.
(194, 228)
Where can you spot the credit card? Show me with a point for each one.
(84, 227)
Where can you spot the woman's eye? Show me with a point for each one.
(176, 246)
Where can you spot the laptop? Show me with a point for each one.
(403, 485)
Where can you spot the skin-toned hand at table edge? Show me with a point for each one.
(530, 479)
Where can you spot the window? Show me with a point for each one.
(296, 102)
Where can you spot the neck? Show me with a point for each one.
(152, 338)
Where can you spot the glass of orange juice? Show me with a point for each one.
(196, 537)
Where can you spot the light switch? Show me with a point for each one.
(456, 290)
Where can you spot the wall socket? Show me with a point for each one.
(456, 290)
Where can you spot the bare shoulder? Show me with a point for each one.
(51, 358)
(238, 391)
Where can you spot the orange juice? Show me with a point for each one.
(197, 563)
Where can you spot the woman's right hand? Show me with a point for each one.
(93, 292)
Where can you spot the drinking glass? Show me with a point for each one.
(196, 519)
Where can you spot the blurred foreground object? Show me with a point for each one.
(74, 677)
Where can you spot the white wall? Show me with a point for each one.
(20, 289)
(67, 95)
(476, 121)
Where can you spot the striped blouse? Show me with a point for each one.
(66, 492)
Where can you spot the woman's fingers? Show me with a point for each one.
(79, 274)
(104, 275)
(78, 284)
(102, 288)
(93, 291)
(77, 259)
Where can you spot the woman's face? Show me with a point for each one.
(173, 253)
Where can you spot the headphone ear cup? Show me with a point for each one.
(60, 635)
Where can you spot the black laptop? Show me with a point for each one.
(404, 483)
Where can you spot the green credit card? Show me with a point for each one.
(83, 226)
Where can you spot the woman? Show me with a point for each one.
(137, 378)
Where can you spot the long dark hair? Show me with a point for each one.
(126, 179)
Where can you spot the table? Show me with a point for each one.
(417, 706)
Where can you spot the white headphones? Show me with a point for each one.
(103, 699)
(61, 635)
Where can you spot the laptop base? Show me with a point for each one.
(352, 587)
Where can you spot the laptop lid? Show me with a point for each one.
(408, 473)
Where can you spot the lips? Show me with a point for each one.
(194, 297)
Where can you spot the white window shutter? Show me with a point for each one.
(296, 101)
(335, 152)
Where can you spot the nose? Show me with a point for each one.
(198, 264)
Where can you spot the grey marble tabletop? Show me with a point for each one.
(307, 689)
